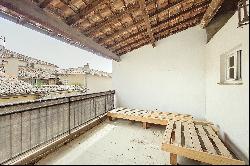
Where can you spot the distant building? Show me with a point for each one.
(28, 69)
(24, 78)
(94, 80)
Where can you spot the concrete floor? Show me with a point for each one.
(112, 143)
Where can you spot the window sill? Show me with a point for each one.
(230, 83)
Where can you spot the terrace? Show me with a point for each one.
(176, 67)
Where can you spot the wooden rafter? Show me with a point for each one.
(164, 21)
(169, 19)
(211, 11)
(127, 10)
(184, 27)
(70, 5)
(196, 17)
(45, 3)
(32, 12)
(167, 7)
(147, 21)
(85, 11)
(121, 31)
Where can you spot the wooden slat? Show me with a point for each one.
(187, 135)
(168, 133)
(195, 138)
(201, 156)
(211, 11)
(218, 142)
(209, 146)
(178, 132)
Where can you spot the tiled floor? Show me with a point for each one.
(117, 142)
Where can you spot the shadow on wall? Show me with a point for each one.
(237, 151)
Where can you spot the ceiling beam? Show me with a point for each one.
(127, 28)
(32, 12)
(143, 7)
(186, 25)
(197, 16)
(169, 19)
(169, 6)
(70, 5)
(133, 42)
(45, 3)
(194, 7)
(128, 10)
(211, 11)
(85, 11)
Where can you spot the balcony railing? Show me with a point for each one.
(27, 127)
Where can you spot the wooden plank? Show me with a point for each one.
(154, 117)
(121, 31)
(211, 11)
(147, 21)
(187, 135)
(128, 10)
(178, 132)
(33, 12)
(173, 159)
(218, 142)
(85, 11)
(209, 146)
(200, 156)
(195, 139)
(168, 133)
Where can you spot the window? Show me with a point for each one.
(234, 66)
(231, 67)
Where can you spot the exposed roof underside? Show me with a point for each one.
(112, 28)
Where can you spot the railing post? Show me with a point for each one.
(69, 115)
(105, 103)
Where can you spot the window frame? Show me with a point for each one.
(225, 77)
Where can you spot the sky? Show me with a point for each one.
(37, 45)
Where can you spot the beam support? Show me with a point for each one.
(143, 7)
(32, 12)
(211, 11)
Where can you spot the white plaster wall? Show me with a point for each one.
(228, 105)
(170, 77)
(98, 84)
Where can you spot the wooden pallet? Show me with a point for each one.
(144, 116)
(196, 141)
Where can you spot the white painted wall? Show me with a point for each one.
(98, 83)
(228, 105)
(170, 77)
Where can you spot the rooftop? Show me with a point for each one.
(11, 54)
